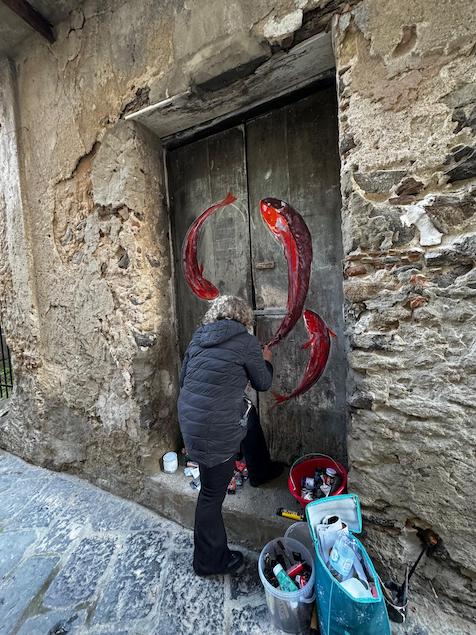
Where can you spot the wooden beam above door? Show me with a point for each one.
(32, 17)
(183, 116)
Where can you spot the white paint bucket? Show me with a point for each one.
(290, 611)
(170, 462)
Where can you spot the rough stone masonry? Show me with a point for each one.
(86, 292)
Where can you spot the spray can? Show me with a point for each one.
(307, 482)
(232, 486)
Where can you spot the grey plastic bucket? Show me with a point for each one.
(300, 532)
(290, 612)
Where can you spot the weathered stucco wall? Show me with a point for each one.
(407, 93)
(86, 292)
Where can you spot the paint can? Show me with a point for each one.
(170, 462)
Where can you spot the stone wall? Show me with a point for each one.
(86, 291)
(407, 92)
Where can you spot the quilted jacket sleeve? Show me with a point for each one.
(260, 372)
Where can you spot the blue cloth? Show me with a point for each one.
(220, 360)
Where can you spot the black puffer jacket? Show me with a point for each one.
(220, 360)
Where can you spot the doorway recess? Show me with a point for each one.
(273, 133)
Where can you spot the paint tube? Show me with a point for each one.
(195, 484)
(307, 494)
(325, 489)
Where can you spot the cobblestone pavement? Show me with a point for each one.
(75, 559)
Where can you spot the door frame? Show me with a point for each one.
(336, 442)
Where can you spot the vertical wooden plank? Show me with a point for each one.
(315, 184)
(268, 176)
(292, 154)
(200, 174)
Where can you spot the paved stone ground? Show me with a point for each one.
(77, 560)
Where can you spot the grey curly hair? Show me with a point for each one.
(230, 307)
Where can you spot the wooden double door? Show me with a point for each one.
(289, 153)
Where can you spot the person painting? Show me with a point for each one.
(222, 358)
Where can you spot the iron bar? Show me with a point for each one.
(6, 375)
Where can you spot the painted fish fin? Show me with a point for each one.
(307, 344)
(229, 198)
(331, 332)
(278, 399)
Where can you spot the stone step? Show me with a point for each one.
(250, 514)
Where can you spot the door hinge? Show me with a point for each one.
(267, 264)
(270, 312)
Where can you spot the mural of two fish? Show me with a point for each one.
(290, 230)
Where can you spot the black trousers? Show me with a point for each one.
(211, 554)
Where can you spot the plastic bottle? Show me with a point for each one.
(285, 582)
(341, 559)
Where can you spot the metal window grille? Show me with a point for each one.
(6, 373)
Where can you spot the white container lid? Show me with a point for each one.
(277, 569)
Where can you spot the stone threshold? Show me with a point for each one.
(250, 514)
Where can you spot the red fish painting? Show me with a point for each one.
(291, 231)
(319, 344)
(192, 271)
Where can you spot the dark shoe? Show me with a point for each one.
(274, 470)
(235, 565)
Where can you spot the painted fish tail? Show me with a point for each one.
(278, 399)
